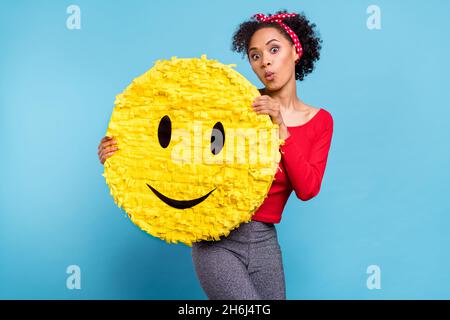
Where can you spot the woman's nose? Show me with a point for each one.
(266, 61)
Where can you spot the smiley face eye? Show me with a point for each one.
(217, 138)
(164, 131)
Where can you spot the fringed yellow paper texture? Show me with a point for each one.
(181, 191)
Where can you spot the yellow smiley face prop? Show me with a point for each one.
(194, 160)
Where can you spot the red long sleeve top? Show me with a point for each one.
(303, 160)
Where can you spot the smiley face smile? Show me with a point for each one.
(179, 204)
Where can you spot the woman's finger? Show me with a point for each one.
(259, 107)
(108, 150)
(101, 154)
(262, 106)
(261, 111)
(259, 103)
(107, 156)
(263, 101)
(109, 143)
(260, 99)
(103, 159)
(105, 138)
(111, 148)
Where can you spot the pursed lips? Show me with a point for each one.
(269, 75)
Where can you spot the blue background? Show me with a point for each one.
(385, 195)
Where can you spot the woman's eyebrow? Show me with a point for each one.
(266, 44)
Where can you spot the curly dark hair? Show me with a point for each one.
(303, 28)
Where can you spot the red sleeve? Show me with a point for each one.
(306, 174)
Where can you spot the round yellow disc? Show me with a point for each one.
(194, 160)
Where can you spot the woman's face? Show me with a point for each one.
(272, 58)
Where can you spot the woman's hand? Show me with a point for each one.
(267, 105)
(106, 148)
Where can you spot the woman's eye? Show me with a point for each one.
(274, 50)
(255, 56)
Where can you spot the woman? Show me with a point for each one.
(247, 264)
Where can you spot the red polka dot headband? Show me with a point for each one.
(279, 19)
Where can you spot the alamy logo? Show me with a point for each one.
(73, 21)
(374, 20)
(374, 280)
(74, 279)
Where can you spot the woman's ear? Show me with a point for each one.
(296, 55)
